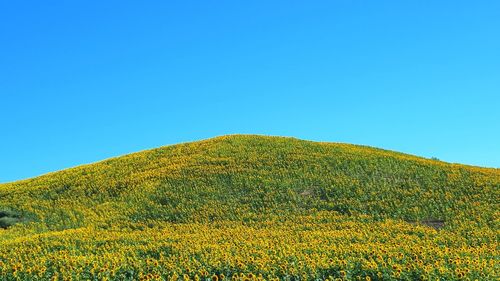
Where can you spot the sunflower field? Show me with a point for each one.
(247, 207)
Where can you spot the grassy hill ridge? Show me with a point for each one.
(263, 186)
(245, 171)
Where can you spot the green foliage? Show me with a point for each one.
(7, 222)
(8, 217)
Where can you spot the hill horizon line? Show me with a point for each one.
(235, 135)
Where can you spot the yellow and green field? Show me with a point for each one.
(254, 208)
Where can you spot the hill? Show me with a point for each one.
(254, 206)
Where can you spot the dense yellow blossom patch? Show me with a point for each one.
(320, 246)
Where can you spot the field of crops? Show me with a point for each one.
(254, 208)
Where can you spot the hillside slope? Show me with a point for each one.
(253, 180)
(233, 177)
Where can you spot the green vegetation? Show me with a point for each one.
(219, 208)
(8, 218)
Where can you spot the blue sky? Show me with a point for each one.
(81, 81)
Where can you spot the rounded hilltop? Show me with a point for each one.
(250, 175)
(253, 207)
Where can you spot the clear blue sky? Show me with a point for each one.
(82, 81)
